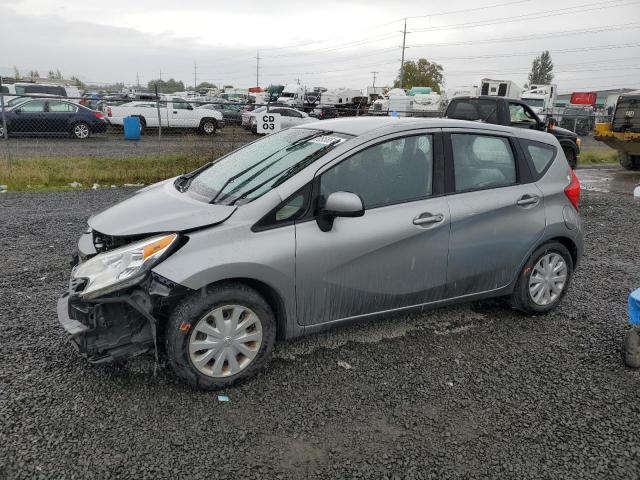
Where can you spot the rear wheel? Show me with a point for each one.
(207, 126)
(571, 157)
(80, 130)
(544, 279)
(221, 337)
(629, 162)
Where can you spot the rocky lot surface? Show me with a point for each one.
(457, 392)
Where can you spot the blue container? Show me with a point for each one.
(131, 128)
(634, 307)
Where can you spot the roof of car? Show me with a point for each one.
(362, 125)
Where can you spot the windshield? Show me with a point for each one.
(534, 102)
(15, 101)
(252, 171)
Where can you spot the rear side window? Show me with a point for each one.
(62, 107)
(540, 154)
(482, 161)
(474, 109)
(4, 89)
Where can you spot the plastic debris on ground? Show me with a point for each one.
(75, 184)
(345, 365)
(223, 398)
(636, 192)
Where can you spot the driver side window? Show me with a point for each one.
(396, 171)
(518, 114)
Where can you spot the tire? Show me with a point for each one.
(571, 157)
(80, 130)
(194, 315)
(527, 287)
(143, 124)
(631, 350)
(628, 162)
(207, 126)
(2, 132)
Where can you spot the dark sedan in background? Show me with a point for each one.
(49, 117)
(231, 112)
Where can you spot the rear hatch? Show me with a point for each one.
(627, 114)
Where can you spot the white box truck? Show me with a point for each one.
(540, 98)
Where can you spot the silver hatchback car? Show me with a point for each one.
(318, 225)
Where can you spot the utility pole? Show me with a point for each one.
(160, 74)
(374, 80)
(138, 80)
(257, 68)
(195, 75)
(404, 39)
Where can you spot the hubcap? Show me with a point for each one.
(208, 127)
(225, 341)
(82, 131)
(548, 279)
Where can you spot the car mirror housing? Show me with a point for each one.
(340, 204)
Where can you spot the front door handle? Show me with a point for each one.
(526, 200)
(427, 218)
(175, 111)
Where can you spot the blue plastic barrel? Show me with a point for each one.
(634, 307)
(131, 128)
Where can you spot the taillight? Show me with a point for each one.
(99, 115)
(572, 191)
(108, 111)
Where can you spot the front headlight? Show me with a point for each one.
(122, 267)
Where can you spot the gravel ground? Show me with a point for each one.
(453, 393)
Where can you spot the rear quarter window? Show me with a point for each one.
(474, 110)
(540, 155)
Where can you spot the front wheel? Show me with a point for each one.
(571, 158)
(208, 126)
(81, 131)
(544, 279)
(221, 337)
(628, 162)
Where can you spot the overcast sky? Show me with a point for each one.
(594, 44)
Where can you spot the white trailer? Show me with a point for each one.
(339, 96)
(428, 104)
(500, 88)
(465, 91)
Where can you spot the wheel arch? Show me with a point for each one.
(569, 245)
(270, 295)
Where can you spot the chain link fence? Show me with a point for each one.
(49, 126)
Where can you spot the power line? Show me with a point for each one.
(530, 16)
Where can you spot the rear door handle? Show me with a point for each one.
(175, 111)
(526, 200)
(427, 218)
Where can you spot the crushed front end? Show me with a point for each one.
(115, 303)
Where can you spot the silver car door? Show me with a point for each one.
(496, 216)
(392, 257)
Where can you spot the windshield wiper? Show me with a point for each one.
(289, 172)
(308, 138)
(183, 181)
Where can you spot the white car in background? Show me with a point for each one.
(290, 117)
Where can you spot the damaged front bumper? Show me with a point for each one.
(108, 329)
(118, 325)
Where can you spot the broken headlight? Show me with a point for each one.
(122, 267)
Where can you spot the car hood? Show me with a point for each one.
(563, 132)
(158, 208)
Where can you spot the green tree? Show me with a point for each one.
(541, 70)
(421, 73)
(79, 83)
(34, 74)
(169, 86)
(205, 85)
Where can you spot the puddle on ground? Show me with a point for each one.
(614, 179)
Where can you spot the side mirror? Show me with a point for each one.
(189, 107)
(550, 123)
(17, 110)
(339, 204)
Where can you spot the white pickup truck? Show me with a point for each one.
(174, 113)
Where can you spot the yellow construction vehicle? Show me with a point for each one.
(623, 133)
